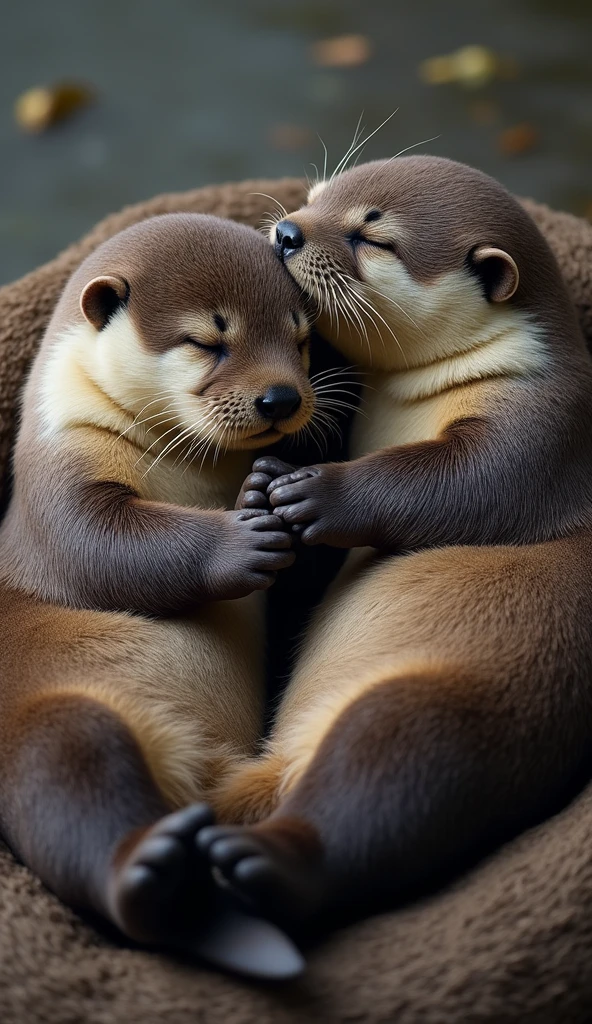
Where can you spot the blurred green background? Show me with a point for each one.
(190, 92)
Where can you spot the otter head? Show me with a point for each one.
(193, 329)
(413, 259)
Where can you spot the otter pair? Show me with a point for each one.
(440, 699)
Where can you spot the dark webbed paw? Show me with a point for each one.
(253, 493)
(274, 878)
(163, 886)
(163, 894)
(252, 547)
(319, 501)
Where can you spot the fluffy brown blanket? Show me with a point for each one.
(512, 941)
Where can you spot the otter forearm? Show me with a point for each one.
(459, 489)
(113, 550)
(466, 487)
(104, 547)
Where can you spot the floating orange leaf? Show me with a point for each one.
(290, 136)
(519, 139)
(342, 51)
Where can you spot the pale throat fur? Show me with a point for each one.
(120, 406)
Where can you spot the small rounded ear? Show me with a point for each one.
(101, 298)
(497, 272)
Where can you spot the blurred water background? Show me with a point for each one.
(196, 91)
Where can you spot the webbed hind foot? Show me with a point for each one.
(276, 867)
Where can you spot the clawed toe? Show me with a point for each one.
(161, 852)
(185, 823)
(277, 883)
(163, 885)
(226, 848)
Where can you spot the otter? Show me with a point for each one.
(441, 701)
(130, 621)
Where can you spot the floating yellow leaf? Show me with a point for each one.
(471, 66)
(40, 108)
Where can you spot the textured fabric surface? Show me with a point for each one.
(512, 941)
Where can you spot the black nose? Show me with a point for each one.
(288, 238)
(278, 403)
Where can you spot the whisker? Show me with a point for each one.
(424, 142)
(365, 141)
(371, 312)
(400, 308)
(344, 158)
(326, 158)
(281, 208)
(171, 446)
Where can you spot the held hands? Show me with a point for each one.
(252, 545)
(317, 502)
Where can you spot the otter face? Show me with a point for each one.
(196, 332)
(408, 260)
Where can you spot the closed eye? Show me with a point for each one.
(217, 350)
(357, 238)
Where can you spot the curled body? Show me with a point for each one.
(441, 699)
(131, 617)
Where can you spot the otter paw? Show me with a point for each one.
(279, 883)
(163, 886)
(311, 501)
(253, 493)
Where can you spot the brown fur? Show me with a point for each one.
(441, 699)
(130, 681)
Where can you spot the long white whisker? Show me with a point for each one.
(344, 158)
(368, 137)
(370, 312)
(171, 445)
(334, 369)
(280, 207)
(424, 142)
(140, 423)
(400, 308)
(326, 157)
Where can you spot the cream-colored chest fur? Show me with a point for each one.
(386, 420)
(206, 486)
(405, 406)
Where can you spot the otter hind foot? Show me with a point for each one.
(274, 876)
(163, 886)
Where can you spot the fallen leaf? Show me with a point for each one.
(40, 108)
(471, 67)
(519, 139)
(290, 136)
(342, 51)
(484, 112)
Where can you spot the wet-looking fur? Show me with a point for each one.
(441, 701)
